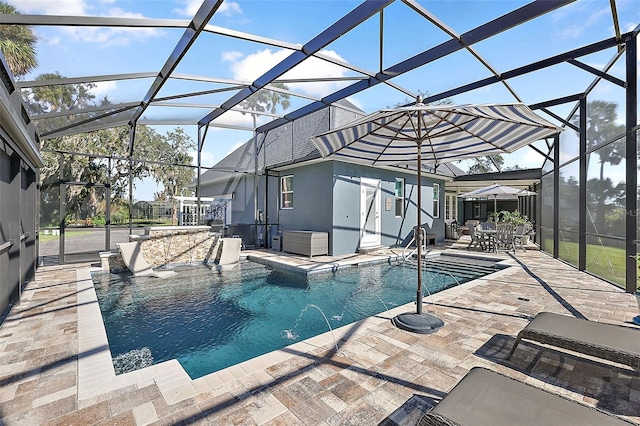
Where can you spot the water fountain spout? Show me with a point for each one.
(335, 342)
(289, 334)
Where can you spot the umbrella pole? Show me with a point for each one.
(495, 207)
(418, 235)
(418, 322)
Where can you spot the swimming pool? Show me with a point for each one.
(209, 321)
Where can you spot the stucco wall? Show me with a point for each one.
(394, 230)
(312, 205)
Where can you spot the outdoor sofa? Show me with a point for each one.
(484, 397)
(607, 341)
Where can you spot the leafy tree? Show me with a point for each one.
(17, 43)
(486, 164)
(602, 128)
(97, 146)
(175, 178)
(61, 97)
(424, 95)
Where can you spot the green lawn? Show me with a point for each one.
(603, 261)
(68, 234)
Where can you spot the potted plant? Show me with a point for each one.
(516, 218)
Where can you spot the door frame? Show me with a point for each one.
(370, 185)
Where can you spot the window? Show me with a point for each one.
(436, 200)
(286, 192)
(399, 197)
(450, 207)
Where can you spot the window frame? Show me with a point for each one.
(399, 199)
(283, 192)
(436, 201)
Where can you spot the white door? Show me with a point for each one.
(369, 212)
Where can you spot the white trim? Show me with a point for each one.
(374, 239)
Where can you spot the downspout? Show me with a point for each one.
(132, 135)
(255, 177)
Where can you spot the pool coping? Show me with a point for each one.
(96, 374)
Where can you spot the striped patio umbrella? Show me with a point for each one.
(422, 134)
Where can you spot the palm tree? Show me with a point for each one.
(17, 44)
(266, 100)
(262, 101)
(602, 128)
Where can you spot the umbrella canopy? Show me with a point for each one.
(443, 133)
(421, 134)
(497, 191)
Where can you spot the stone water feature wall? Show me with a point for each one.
(169, 245)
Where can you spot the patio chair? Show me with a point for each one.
(133, 259)
(607, 341)
(503, 238)
(228, 254)
(476, 239)
(488, 225)
(518, 237)
(484, 397)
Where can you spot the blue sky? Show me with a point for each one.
(82, 51)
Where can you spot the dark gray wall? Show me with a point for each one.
(18, 206)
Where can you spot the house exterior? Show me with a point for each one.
(358, 206)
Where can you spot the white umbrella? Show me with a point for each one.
(497, 191)
(420, 134)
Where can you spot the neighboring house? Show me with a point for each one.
(358, 206)
(152, 210)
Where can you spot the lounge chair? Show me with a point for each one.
(484, 397)
(133, 259)
(229, 254)
(607, 341)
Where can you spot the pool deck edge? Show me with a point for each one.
(96, 374)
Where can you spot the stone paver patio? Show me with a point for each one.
(379, 375)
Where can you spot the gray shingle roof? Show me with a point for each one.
(281, 146)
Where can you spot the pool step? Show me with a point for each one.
(459, 269)
(456, 266)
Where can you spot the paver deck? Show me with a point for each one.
(52, 368)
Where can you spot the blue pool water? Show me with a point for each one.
(210, 321)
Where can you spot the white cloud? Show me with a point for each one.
(231, 56)
(228, 8)
(580, 19)
(47, 40)
(105, 36)
(208, 158)
(111, 36)
(250, 67)
(356, 102)
(530, 159)
(47, 7)
(104, 88)
(190, 7)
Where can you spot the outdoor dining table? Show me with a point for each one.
(486, 233)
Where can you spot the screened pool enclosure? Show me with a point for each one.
(71, 168)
